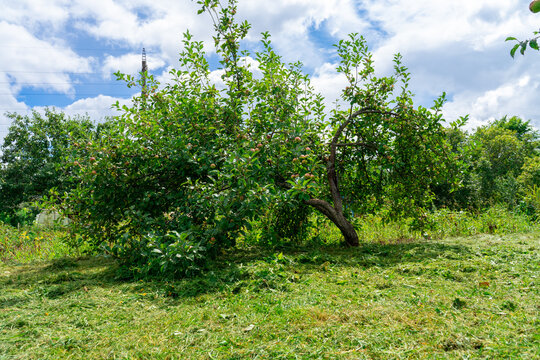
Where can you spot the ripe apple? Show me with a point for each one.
(535, 6)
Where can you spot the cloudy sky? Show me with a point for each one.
(63, 53)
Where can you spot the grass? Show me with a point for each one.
(31, 243)
(475, 297)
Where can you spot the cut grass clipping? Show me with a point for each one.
(475, 297)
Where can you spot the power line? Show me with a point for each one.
(49, 72)
(114, 82)
(75, 48)
(2, 111)
(75, 94)
(56, 72)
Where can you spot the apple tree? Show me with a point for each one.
(191, 163)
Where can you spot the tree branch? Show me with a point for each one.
(331, 163)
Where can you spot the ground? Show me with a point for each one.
(474, 297)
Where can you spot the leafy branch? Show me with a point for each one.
(522, 45)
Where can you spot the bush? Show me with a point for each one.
(173, 254)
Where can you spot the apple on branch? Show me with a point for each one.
(535, 6)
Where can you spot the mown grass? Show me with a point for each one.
(474, 297)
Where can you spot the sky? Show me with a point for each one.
(63, 53)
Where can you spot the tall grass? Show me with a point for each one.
(495, 220)
(32, 243)
(438, 224)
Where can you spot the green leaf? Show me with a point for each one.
(534, 44)
(523, 48)
(514, 49)
(510, 38)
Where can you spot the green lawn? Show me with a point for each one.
(475, 297)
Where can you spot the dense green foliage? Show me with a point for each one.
(194, 165)
(502, 165)
(186, 169)
(32, 156)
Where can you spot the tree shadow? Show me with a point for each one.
(237, 269)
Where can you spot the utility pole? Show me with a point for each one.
(144, 71)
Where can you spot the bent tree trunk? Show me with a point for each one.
(337, 217)
(335, 212)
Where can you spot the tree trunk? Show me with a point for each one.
(337, 217)
(335, 212)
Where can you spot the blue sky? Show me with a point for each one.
(63, 53)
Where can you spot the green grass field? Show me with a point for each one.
(458, 298)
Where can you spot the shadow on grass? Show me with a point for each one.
(229, 274)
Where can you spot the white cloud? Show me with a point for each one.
(161, 27)
(37, 63)
(329, 83)
(516, 97)
(97, 108)
(39, 15)
(8, 103)
(128, 64)
(289, 23)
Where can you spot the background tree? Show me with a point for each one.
(499, 161)
(32, 153)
